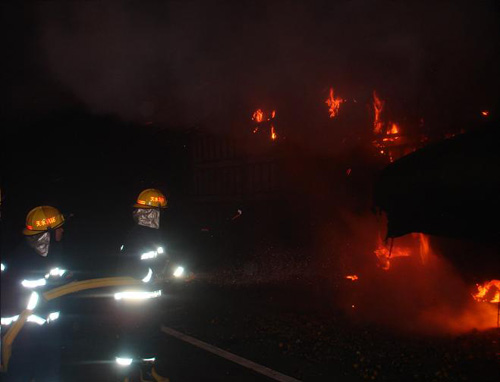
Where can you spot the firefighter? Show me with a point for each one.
(37, 352)
(143, 256)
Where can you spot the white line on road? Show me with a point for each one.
(229, 356)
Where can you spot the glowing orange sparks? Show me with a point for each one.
(488, 291)
(378, 106)
(485, 113)
(352, 277)
(333, 104)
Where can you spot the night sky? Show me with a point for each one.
(183, 63)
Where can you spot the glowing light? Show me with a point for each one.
(148, 276)
(179, 272)
(33, 283)
(3, 267)
(123, 361)
(36, 319)
(9, 320)
(352, 277)
(53, 316)
(45, 222)
(160, 250)
(149, 255)
(121, 248)
(55, 272)
(141, 202)
(157, 199)
(149, 359)
(485, 113)
(137, 295)
(33, 301)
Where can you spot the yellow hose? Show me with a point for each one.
(73, 287)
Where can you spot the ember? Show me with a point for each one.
(485, 113)
(352, 277)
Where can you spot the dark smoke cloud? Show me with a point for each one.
(213, 62)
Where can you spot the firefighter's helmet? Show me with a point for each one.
(151, 198)
(41, 219)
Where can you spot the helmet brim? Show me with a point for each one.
(33, 232)
(30, 232)
(137, 205)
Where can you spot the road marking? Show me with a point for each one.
(229, 356)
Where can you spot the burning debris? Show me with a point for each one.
(389, 139)
(485, 113)
(352, 277)
(333, 104)
(385, 254)
(260, 118)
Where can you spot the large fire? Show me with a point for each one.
(488, 291)
(333, 104)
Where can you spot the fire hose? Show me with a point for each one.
(72, 287)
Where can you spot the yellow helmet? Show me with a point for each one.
(151, 198)
(40, 219)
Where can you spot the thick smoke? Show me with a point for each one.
(420, 292)
(213, 63)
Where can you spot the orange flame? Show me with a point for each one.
(258, 116)
(273, 133)
(352, 277)
(393, 129)
(485, 113)
(488, 291)
(273, 114)
(424, 248)
(333, 104)
(385, 254)
(378, 106)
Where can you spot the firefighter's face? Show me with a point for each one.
(59, 233)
